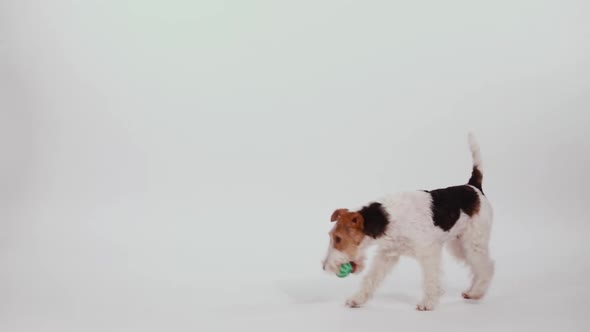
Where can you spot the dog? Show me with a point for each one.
(418, 224)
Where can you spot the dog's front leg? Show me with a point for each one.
(381, 266)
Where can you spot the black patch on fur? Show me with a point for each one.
(476, 178)
(375, 218)
(447, 204)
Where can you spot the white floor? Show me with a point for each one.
(171, 165)
(541, 285)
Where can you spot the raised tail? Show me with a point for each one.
(477, 171)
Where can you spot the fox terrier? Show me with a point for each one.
(418, 224)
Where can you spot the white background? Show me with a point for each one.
(172, 165)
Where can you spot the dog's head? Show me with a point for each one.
(348, 241)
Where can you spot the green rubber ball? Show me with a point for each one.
(345, 270)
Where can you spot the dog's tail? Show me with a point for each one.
(477, 171)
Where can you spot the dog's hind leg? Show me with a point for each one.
(455, 248)
(475, 242)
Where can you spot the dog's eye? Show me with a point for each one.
(337, 239)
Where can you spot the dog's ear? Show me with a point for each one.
(337, 214)
(357, 221)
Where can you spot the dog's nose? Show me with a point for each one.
(324, 265)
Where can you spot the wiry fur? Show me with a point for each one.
(411, 231)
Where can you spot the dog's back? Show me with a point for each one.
(426, 216)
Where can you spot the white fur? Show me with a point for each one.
(411, 232)
(334, 258)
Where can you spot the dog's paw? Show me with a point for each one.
(471, 295)
(351, 303)
(424, 307)
(427, 304)
(356, 301)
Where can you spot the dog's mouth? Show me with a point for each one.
(354, 266)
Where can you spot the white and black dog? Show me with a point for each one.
(418, 224)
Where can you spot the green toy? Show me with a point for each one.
(345, 270)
